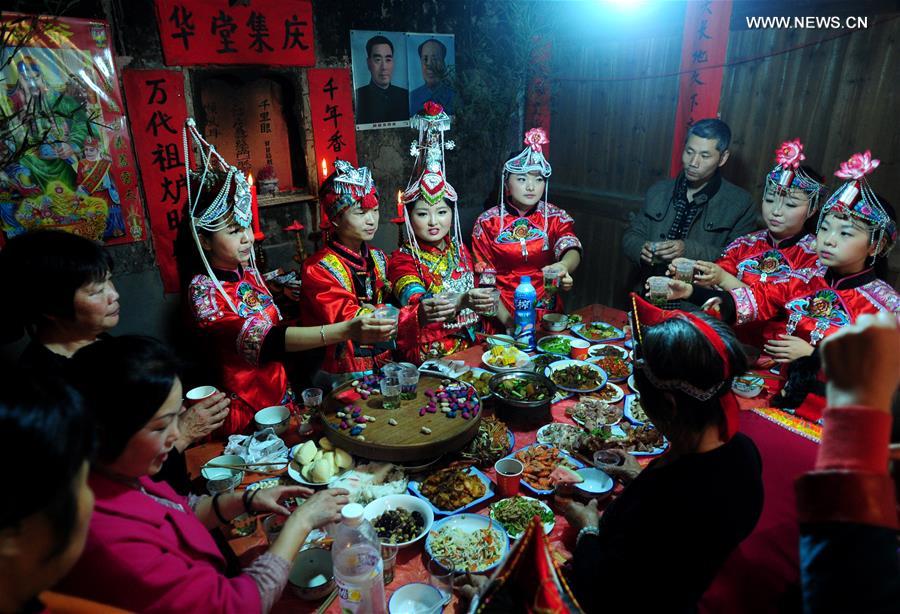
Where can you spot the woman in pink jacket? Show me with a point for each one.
(149, 549)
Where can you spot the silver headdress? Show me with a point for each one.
(428, 182)
(223, 210)
(857, 200)
(787, 175)
(530, 160)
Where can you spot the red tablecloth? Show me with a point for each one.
(759, 573)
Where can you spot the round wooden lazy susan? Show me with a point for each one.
(405, 441)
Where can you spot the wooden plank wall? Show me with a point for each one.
(611, 139)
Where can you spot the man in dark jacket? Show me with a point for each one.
(694, 215)
(380, 101)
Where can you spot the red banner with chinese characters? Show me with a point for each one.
(157, 110)
(334, 129)
(66, 160)
(537, 100)
(703, 51)
(214, 32)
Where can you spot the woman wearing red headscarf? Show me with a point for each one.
(686, 366)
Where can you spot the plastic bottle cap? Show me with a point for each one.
(526, 279)
(352, 513)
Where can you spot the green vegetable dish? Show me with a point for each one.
(556, 345)
(516, 512)
(523, 390)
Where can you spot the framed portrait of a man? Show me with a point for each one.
(431, 59)
(380, 79)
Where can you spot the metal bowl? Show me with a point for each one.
(519, 410)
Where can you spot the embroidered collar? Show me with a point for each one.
(785, 243)
(356, 261)
(511, 210)
(848, 282)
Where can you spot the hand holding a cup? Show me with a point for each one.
(435, 310)
(206, 410)
(369, 329)
(709, 274)
(668, 289)
(483, 301)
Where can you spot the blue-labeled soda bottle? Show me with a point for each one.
(524, 301)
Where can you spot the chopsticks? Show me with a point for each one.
(514, 343)
(248, 468)
(321, 609)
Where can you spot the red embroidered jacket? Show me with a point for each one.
(440, 270)
(235, 340)
(521, 247)
(760, 258)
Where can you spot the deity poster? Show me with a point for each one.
(66, 152)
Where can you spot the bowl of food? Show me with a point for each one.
(277, 417)
(416, 597)
(467, 543)
(312, 576)
(576, 376)
(506, 358)
(515, 514)
(221, 477)
(478, 379)
(399, 520)
(747, 386)
(555, 344)
(522, 396)
(595, 483)
(555, 322)
(617, 369)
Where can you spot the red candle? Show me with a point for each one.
(254, 208)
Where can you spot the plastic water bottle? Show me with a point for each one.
(524, 299)
(358, 568)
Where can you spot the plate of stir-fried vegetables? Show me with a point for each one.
(467, 542)
(516, 512)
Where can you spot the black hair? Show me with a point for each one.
(712, 129)
(378, 40)
(881, 268)
(125, 381)
(677, 350)
(45, 425)
(434, 40)
(47, 267)
(812, 221)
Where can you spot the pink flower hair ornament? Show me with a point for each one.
(535, 138)
(790, 154)
(858, 166)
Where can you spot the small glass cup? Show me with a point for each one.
(391, 369)
(552, 278)
(389, 559)
(440, 578)
(494, 293)
(387, 312)
(454, 298)
(684, 271)
(655, 259)
(390, 392)
(312, 398)
(409, 381)
(659, 291)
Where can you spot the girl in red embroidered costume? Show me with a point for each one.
(432, 260)
(347, 278)
(524, 235)
(231, 306)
